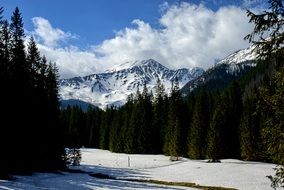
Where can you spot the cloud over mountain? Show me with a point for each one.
(188, 35)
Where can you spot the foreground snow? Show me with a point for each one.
(229, 173)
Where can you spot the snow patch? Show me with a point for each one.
(242, 175)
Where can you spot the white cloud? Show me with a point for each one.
(189, 36)
(50, 36)
(71, 61)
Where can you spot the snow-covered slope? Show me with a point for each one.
(230, 68)
(239, 59)
(231, 173)
(116, 84)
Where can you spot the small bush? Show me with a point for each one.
(73, 156)
(278, 179)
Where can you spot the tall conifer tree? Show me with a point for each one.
(199, 126)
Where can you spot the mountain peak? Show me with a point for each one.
(152, 63)
(116, 84)
(136, 63)
(240, 56)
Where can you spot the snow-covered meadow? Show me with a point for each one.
(125, 167)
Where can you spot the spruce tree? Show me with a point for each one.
(34, 61)
(199, 126)
(128, 124)
(250, 129)
(234, 116)
(159, 118)
(4, 95)
(214, 135)
(131, 133)
(19, 76)
(17, 46)
(31, 111)
(5, 47)
(271, 23)
(172, 133)
(141, 121)
(105, 128)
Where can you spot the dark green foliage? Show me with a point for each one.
(199, 126)
(107, 119)
(30, 107)
(172, 133)
(93, 119)
(270, 104)
(230, 117)
(250, 139)
(160, 114)
(234, 112)
(214, 148)
(216, 78)
(127, 130)
(115, 135)
(5, 47)
(144, 127)
(269, 22)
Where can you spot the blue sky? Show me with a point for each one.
(92, 20)
(88, 36)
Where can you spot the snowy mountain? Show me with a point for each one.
(240, 59)
(225, 71)
(116, 84)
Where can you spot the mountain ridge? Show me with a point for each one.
(116, 84)
(225, 71)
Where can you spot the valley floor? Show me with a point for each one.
(127, 168)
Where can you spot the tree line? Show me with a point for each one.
(242, 120)
(30, 134)
(202, 125)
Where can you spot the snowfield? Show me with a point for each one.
(229, 173)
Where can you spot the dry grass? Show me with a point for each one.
(184, 184)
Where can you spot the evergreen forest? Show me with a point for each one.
(29, 104)
(242, 120)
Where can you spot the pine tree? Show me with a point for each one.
(199, 126)
(127, 126)
(93, 118)
(4, 95)
(105, 128)
(54, 146)
(234, 116)
(250, 129)
(17, 45)
(5, 47)
(214, 135)
(159, 118)
(31, 120)
(144, 125)
(19, 74)
(271, 49)
(34, 61)
(269, 22)
(116, 141)
(172, 133)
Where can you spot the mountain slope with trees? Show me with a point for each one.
(243, 119)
